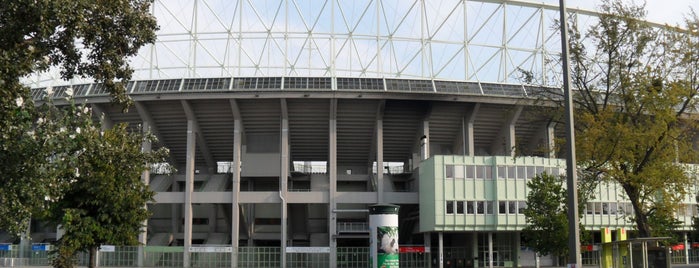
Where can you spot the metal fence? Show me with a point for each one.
(248, 257)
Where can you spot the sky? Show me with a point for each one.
(662, 11)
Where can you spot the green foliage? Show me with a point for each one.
(635, 87)
(547, 215)
(44, 148)
(83, 38)
(103, 201)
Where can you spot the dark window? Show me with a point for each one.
(460, 207)
(450, 207)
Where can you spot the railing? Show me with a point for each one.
(353, 227)
(220, 256)
(223, 84)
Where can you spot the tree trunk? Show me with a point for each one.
(640, 217)
(93, 257)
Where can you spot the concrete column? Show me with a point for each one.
(425, 140)
(145, 177)
(235, 193)
(283, 178)
(428, 247)
(469, 123)
(176, 218)
(686, 249)
(332, 189)
(379, 160)
(189, 188)
(441, 249)
(490, 249)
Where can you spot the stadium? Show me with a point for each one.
(286, 119)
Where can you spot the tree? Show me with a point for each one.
(635, 86)
(48, 155)
(546, 214)
(81, 38)
(104, 198)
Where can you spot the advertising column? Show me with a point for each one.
(383, 224)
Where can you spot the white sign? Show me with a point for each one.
(211, 249)
(307, 249)
(107, 248)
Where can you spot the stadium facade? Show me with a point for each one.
(285, 120)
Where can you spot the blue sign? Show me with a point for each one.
(39, 247)
(5, 247)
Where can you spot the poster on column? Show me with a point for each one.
(387, 247)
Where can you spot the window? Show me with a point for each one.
(480, 207)
(470, 170)
(511, 172)
(521, 206)
(512, 207)
(520, 173)
(502, 174)
(490, 207)
(450, 207)
(458, 172)
(469, 207)
(502, 207)
(590, 208)
(460, 207)
(480, 172)
(449, 171)
(605, 208)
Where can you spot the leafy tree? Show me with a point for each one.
(49, 156)
(81, 38)
(104, 199)
(547, 214)
(635, 86)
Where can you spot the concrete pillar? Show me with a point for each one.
(441, 249)
(332, 189)
(687, 246)
(283, 178)
(425, 140)
(428, 247)
(145, 177)
(469, 126)
(379, 161)
(490, 249)
(189, 188)
(235, 193)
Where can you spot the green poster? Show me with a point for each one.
(387, 246)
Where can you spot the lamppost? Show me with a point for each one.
(574, 258)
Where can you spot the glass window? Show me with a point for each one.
(520, 173)
(490, 206)
(598, 208)
(480, 172)
(590, 208)
(459, 172)
(502, 174)
(488, 172)
(605, 208)
(539, 170)
(613, 209)
(469, 207)
(480, 207)
(450, 207)
(512, 207)
(521, 206)
(502, 207)
(470, 172)
(449, 171)
(531, 172)
(460, 207)
(511, 171)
